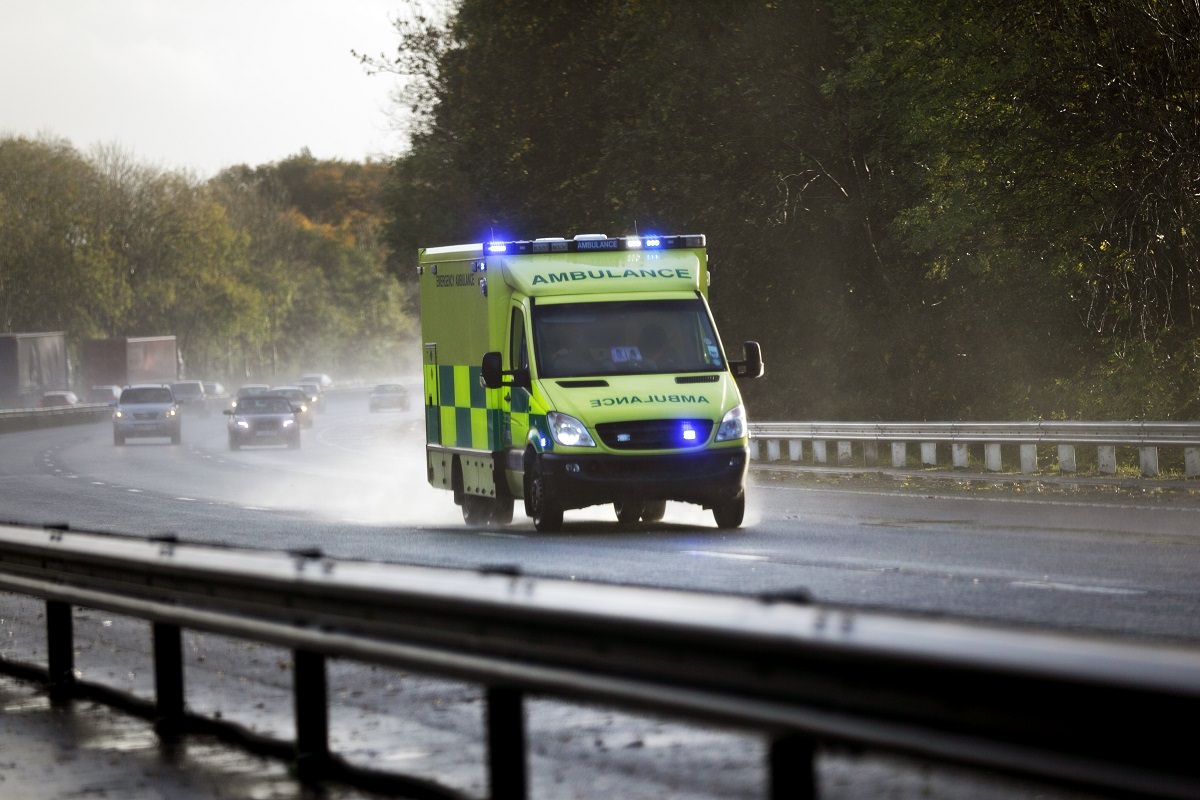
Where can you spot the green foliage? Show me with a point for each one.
(259, 273)
(923, 209)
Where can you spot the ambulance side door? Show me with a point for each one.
(517, 395)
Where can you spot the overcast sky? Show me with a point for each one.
(200, 85)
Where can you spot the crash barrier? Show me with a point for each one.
(936, 438)
(28, 419)
(1100, 714)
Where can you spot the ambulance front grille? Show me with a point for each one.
(655, 434)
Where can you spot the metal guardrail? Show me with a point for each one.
(28, 419)
(1085, 712)
(989, 437)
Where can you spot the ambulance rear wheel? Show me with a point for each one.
(730, 513)
(654, 510)
(628, 511)
(475, 509)
(546, 511)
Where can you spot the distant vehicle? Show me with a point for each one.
(147, 410)
(217, 394)
(388, 395)
(248, 389)
(191, 397)
(319, 378)
(31, 364)
(300, 401)
(129, 360)
(263, 419)
(58, 398)
(316, 393)
(108, 394)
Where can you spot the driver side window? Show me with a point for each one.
(518, 356)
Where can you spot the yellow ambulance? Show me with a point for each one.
(573, 372)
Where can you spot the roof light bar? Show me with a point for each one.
(592, 243)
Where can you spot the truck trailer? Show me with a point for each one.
(129, 359)
(30, 365)
(570, 373)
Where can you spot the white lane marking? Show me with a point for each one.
(187, 499)
(730, 556)
(134, 491)
(496, 535)
(1074, 587)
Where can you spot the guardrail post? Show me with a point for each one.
(1066, 458)
(1191, 462)
(168, 678)
(310, 695)
(960, 455)
(845, 453)
(506, 743)
(1106, 459)
(793, 768)
(1029, 463)
(60, 650)
(899, 455)
(772, 449)
(795, 449)
(753, 449)
(1148, 459)
(871, 453)
(992, 461)
(929, 454)
(819, 453)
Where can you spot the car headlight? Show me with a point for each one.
(568, 431)
(242, 424)
(733, 425)
(288, 423)
(170, 412)
(118, 414)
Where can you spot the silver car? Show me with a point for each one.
(146, 410)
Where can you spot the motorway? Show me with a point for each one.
(1100, 561)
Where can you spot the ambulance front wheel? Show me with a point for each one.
(729, 514)
(540, 503)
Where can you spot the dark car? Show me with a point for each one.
(191, 397)
(263, 419)
(146, 410)
(316, 395)
(388, 395)
(301, 401)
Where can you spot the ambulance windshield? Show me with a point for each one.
(626, 337)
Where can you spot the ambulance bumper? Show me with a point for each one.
(705, 478)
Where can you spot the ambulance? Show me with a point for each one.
(574, 372)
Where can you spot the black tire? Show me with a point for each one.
(118, 439)
(176, 437)
(501, 511)
(628, 511)
(234, 444)
(730, 513)
(540, 502)
(654, 510)
(474, 509)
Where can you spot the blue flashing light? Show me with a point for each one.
(689, 433)
(498, 247)
(653, 241)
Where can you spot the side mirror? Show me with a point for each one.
(493, 374)
(752, 364)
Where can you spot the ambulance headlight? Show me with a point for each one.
(733, 425)
(568, 431)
